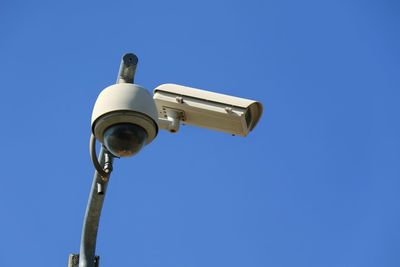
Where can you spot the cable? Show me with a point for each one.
(93, 155)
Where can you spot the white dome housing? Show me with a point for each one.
(124, 103)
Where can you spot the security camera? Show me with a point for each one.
(124, 119)
(127, 117)
(177, 103)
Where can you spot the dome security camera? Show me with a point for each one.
(124, 119)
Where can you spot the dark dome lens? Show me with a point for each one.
(124, 139)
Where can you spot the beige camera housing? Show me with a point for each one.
(229, 114)
(125, 103)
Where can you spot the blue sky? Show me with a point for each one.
(315, 184)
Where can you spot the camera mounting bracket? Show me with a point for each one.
(170, 118)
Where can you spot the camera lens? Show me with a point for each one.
(124, 139)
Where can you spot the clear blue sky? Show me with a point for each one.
(315, 184)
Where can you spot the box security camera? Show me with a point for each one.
(233, 115)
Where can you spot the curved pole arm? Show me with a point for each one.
(92, 217)
(98, 191)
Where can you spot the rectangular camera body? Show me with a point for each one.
(234, 115)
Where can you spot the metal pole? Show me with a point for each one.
(87, 257)
(92, 218)
(127, 68)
